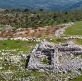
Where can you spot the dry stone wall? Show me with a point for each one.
(60, 58)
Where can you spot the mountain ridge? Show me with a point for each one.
(77, 6)
(53, 5)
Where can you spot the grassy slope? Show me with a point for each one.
(75, 29)
(78, 41)
(24, 46)
(20, 46)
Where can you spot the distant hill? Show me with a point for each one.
(77, 6)
(51, 5)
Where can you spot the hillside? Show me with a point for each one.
(33, 59)
(34, 19)
(35, 53)
(77, 6)
(50, 5)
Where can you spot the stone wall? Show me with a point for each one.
(61, 58)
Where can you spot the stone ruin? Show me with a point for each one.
(55, 58)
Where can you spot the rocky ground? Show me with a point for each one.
(47, 31)
(60, 32)
(15, 66)
(46, 62)
(9, 32)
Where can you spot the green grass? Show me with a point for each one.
(78, 41)
(77, 79)
(25, 46)
(75, 29)
(1, 27)
(45, 61)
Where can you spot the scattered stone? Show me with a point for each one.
(15, 59)
(61, 31)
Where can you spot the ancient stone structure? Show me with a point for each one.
(55, 58)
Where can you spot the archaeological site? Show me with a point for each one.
(47, 56)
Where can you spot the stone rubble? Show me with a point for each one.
(61, 31)
(72, 37)
(61, 58)
(23, 39)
